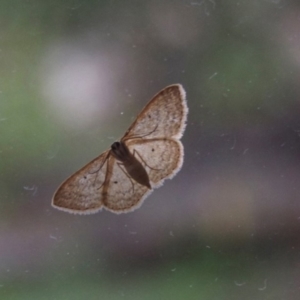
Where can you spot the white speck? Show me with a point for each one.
(111, 138)
(245, 151)
(27, 188)
(234, 143)
(196, 3)
(213, 75)
(239, 283)
(52, 153)
(273, 1)
(264, 287)
(33, 189)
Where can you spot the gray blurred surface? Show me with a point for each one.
(74, 75)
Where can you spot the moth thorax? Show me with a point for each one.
(120, 151)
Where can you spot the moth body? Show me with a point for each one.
(133, 167)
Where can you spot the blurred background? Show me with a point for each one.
(74, 74)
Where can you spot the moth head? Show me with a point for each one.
(115, 146)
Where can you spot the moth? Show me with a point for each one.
(122, 177)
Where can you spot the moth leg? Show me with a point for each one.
(97, 172)
(128, 176)
(132, 137)
(100, 167)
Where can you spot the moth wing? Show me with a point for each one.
(164, 116)
(123, 193)
(161, 158)
(82, 192)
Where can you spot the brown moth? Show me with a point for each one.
(122, 177)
